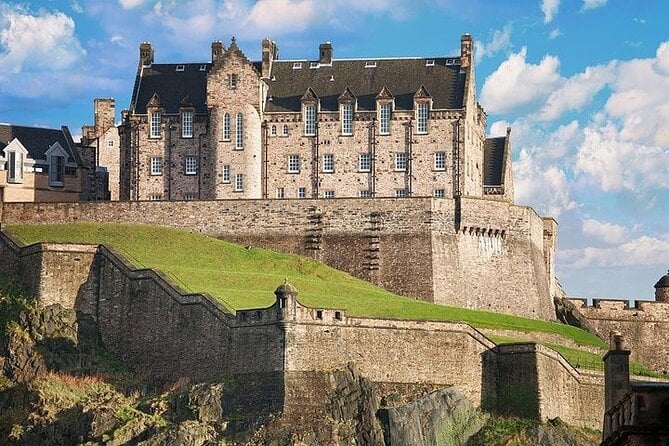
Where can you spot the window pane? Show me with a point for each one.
(347, 119)
(187, 124)
(384, 119)
(240, 131)
(310, 120)
(226, 127)
(328, 162)
(155, 125)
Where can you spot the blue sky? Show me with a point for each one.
(584, 84)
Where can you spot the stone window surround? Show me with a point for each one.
(385, 110)
(156, 165)
(439, 161)
(280, 192)
(226, 127)
(309, 112)
(226, 173)
(328, 194)
(328, 163)
(401, 193)
(400, 164)
(422, 116)
(190, 165)
(239, 182)
(439, 193)
(155, 125)
(239, 131)
(346, 111)
(364, 162)
(293, 163)
(187, 124)
(301, 192)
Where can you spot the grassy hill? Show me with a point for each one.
(243, 278)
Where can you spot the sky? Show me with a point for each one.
(584, 85)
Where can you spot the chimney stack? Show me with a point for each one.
(325, 53)
(270, 53)
(145, 53)
(616, 371)
(217, 51)
(466, 50)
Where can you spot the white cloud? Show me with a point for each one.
(277, 16)
(131, 4)
(641, 251)
(543, 187)
(577, 91)
(614, 164)
(609, 233)
(76, 7)
(517, 83)
(549, 8)
(39, 41)
(501, 40)
(593, 4)
(554, 34)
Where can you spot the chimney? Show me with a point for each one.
(145, 53)
(325, 53)
(616, 372)
(217, 51)
(466, 47)
(270, 53)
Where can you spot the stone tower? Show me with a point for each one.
(662, 289)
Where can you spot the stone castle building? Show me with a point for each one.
(101, 141)
(318, 128)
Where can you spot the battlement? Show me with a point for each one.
(606, 308)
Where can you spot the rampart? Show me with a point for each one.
(644, 325)
(163, 332)
(470, 252)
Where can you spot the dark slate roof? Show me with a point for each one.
(37, 140)
(663, 282)
(402, 77)
(172, 86)
(493, 161)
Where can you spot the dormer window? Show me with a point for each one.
(314, 65)
(56, 156)
(203, 68)
(310, 120)
(14, 167)
(385, 112)
(429, 63)
(180, 68)
(370, 64)
(347, 119)
(297, 65)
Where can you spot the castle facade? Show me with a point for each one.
(319, 128)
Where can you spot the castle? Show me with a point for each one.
(319, 128)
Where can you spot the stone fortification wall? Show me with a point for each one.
(644, 325)
(494, 260)
(166, 333)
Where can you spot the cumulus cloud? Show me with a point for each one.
(641, 251)
(606, 232)
(517, 83)
(614, 164)
(593, 4)
(549, 8)
(282, 15)
(41, 40)
(577, 91)
(501, 40)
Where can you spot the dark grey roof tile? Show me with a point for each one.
(37, 140)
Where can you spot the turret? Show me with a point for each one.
(286, 297)
(145, 53)
(325, 53)
(662, 289)
(466, 51)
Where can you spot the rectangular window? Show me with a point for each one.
(400, 193)
(328, 194)
(302, 192)
(15, 167)
(189, 197)
(285, 130)
(232, 80)
(421, 116)
(187, 124)
(384, 119)
(328, 162)
(364, 162)
(226, 173)
(280, 192)
(226, 127)
(400, 161)
(155, 125)
(239, 182)
(440, 161)
(191, 165)
(110, 143)
(156, 166)
(347, 119)
(364, 193)
(310, 120)
(56, 170)
(439, 193)
(293, 164)
(155, 197)
(240, 131)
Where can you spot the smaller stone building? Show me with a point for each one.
(100, 147)
(38, 164)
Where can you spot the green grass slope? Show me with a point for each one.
(243, 278)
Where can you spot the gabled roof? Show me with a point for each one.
(172, 86)
(38, 140)
(402, 77)
(493, 161)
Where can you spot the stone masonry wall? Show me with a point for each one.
(409, 246)
(644, 325)
(167, 334)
